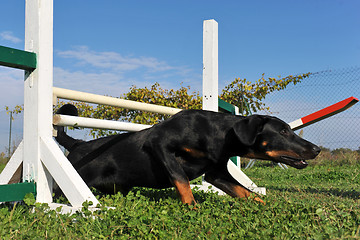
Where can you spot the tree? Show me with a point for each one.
(239, 92)
(180, 98)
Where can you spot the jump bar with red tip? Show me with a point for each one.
(323, 113)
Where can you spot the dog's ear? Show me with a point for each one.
(248, 128)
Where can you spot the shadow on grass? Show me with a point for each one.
(351, 194)
(157, 194)
(170, 193)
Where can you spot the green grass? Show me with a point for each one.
(319, 202)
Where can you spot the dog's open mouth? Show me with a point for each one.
(294, 162)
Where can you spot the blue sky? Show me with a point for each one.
(106, 46)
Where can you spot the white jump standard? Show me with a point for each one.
(42, 158)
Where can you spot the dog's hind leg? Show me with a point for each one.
(224, 181)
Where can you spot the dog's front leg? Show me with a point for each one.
(224, 181)
(184, 191)
(176, 174)
(179, 180)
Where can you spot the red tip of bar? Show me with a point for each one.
(329, 111)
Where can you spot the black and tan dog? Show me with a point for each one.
(182, 148)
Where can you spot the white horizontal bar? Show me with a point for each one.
(65, 120)
(111, 101)
(296, 123)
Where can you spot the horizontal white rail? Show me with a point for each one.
(65, 120)
(111, 101)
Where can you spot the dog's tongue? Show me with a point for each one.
(300, 164)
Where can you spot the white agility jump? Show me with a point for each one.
(42, 158)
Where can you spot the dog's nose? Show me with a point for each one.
(316, 150)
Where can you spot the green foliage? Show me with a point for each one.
(241, 91)
(319, 202)
(3, 161)
(29, 199)
(156, 95)
(337, 157)
(17, 109)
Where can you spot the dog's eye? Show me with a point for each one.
(284, 132)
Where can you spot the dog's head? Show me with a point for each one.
(269, 138)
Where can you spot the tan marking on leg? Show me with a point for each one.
(184, 192)
(241, 192)
(244, 193)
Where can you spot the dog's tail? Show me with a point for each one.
(62, 138)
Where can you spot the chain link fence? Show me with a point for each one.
(320, 90)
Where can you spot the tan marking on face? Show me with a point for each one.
(250, 155)
(275, 154)
(194, 152)
(254, 155)
(184, 192)
(264, 143)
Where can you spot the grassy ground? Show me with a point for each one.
(319, 202)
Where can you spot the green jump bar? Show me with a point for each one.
(226, 106)
(11, 57)
(16, 191)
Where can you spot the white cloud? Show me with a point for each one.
(8, 35)
(113, 60)
(113, 74)
(100, 83)
(107, 83)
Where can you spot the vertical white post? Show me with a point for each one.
(42, 158)
(238, 160)
(210, 92)
(210, 65)
(38, 93)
